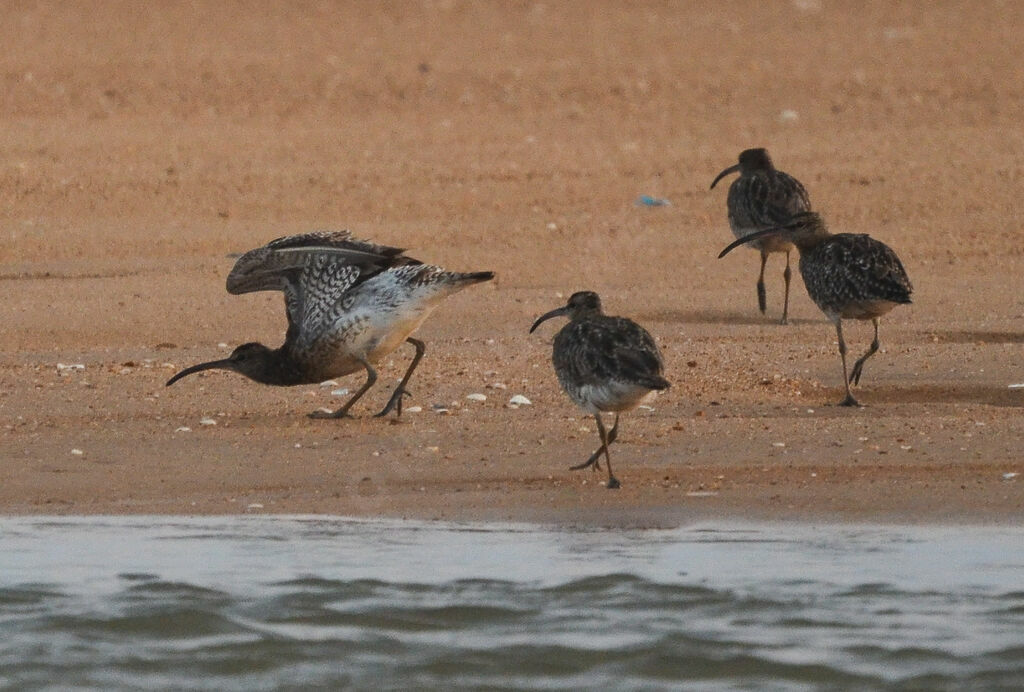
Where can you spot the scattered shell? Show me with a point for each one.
(254, 505)
(433, 449)
(61, 367)
(778, 444)
(476, 397)
(413, 409)
(788, 116)
(645, 407)
(77, 452)
(222, 345)
(207, 421)
(183, 428)
(339, 392)
(1010, 476)
(328, 383)
(1016, 386)
(701, 493)
(498, 385)
(519, 400)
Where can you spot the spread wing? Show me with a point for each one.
(313, 270)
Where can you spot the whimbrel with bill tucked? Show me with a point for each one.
(847, 275)
(349, 303)
(604, 364)
(764, 197)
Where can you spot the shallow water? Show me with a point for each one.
(270, 603)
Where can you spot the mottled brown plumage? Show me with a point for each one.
(603, 363)
(763, 197)
(349, 303)
(848, 276)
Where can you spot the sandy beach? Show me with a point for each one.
(142, 145)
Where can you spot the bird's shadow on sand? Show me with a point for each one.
(954, 393)
(972, 337)
(714, 317)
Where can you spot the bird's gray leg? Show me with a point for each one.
(396, 396)
(371, 377)
(849, 400)
(787, 275)
(859, 365)
(762, 299)
(613, 482)
(613, 434)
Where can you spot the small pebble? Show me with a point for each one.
(519, 400)
(778, 444)
(207, 421)
(61, 367)
(183, 428)
(1010, 476)
(77, 452)
(413, 409)
(476, 397)
(339, 392)
(222, 345)
(788, 116)
(254, 505)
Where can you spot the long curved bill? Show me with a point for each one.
(557, 312)
(728, 171)
(213, 364)
(778, 230)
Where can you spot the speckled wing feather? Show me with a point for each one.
(313, 270)
(850, 267)
(765, 199)
(605, 349)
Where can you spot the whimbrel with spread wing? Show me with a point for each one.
(604, 364)
(848, 275)
(764, 197)
(349, 303)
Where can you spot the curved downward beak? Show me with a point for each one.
(558, 312)
(728, 171)
(753, 236)
(213, 364)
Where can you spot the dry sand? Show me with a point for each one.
(143, 143)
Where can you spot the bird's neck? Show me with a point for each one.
(279, 369)
(805, 242)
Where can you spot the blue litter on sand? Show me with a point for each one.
(648, 201)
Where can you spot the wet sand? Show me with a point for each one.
(143, 145)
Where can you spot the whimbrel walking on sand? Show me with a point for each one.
(764, 197)
(604, 364)
(349, 303)
(848, 275)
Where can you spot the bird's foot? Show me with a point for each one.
(784, 320)
(592, 462)
(855, 374)
(849, 401)
(612, 483)
(395, 402)
(321, 414)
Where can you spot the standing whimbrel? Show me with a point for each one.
(604, 364)
(848, 275)
(349, 303)
(764, 197)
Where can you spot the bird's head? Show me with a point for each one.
(250, 359)
(751, 161)
(581, 304)
(804, 230)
